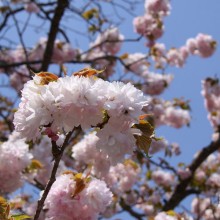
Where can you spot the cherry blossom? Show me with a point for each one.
(161, 7)
(31, 7)
(14, 158)
(91, 201)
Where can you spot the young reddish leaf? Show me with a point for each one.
(87, 72)
(80, 183)
(47, 77)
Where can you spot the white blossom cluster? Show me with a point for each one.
(82, 101)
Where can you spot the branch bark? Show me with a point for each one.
(52, 179)
(181, 190)
(129, 209)
(58, 14)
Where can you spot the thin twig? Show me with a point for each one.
(57, 159)
(181, 191)
(20, 34)
(7, 16)
(129, 209)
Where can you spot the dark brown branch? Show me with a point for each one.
(7, 15)
(59, 29)
(112, 41)
(181, 191)
(129, 209)
(57, 159)
(107, 57)
(38, 184)
(58, 14)
(167, 166)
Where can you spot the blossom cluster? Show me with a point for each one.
(14, 158)
(208, 175)
(172, 113)
(62, 52)
(29, 6)
(82, 101)
(85, 152)
(163, 178)
(107, 43)
(171, 215)
(150, 24)
(211, 94)
(153, 83)
(202, 45)
(123, 176)
(120, 178)
(62, 203)
(41, 152)
(204, 207)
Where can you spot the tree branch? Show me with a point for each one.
(57, 159)
(181, 191)
(59, 11)
(7, 16)
(128, 208)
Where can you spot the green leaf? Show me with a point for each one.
(171, 213)
(35, 165)
(129, 162)
(90, 13)
(20, 217)
(93, 28)
(144, 141)
(181, 164)
(149, 174)
(157, 138)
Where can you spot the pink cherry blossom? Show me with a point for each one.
(203, 45)
(109, 41)
(92, 200)
(163, 178)
(148, 26)
(14, 158)
(161, 7)
(31, 7)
